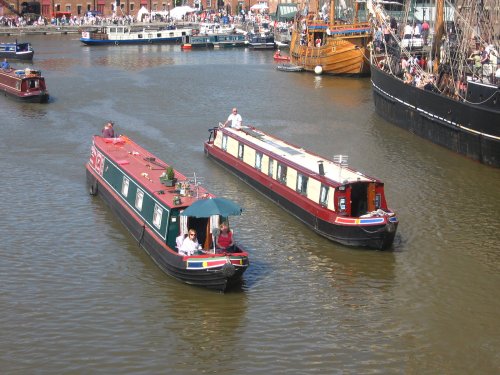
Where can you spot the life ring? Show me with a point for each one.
(93, 188)
(116, 42)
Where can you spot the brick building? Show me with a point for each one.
(49, 8)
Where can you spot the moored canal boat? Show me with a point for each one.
(337, 202)
(117, 35)
(213, 41)
(129, 179)
(26, 85)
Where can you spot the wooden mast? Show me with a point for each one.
(438, 33)
(332, 12)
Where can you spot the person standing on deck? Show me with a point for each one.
(108, 131)
(235, 119)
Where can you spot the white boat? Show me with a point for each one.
(129, 35)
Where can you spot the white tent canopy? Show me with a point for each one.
(178, 12)
(259, 6)
(142, 12)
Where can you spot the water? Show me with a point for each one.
(78, 294)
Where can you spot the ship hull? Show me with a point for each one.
(464, 128)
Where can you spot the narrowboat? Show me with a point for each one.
(151, 204)
(334, 200)
(16, 51)
(26, 85)
(213, 41)
(117, 35)
(261, 41)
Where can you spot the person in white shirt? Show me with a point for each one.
(190, 244)
(235, 119)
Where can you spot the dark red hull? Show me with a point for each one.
(25, 86)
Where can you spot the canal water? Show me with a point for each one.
(78, 295)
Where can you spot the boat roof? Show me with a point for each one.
(146, 169)
(339, 173)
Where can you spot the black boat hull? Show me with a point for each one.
(467, 129)
(219, 279)
(378, 237)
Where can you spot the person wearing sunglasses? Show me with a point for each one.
(235, 119)
(190, 245)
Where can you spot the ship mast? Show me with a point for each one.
(332, 12)
(438, 32)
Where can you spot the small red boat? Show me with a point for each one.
(27, 85)
(279, 57)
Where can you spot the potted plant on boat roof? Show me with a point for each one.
(168, 177)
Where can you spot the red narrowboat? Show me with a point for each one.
(27, 85)
(336, 201)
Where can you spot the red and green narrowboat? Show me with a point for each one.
(334, 200)
(134, 183)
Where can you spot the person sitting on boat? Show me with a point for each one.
(180, 239)
(235, 119)
(225, 239)
(190, 245)
(108, 131)
(5, 64)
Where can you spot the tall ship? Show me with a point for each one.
(330, 38)
(436, 74)
(160, 206)
(333, 199)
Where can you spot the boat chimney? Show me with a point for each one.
(321, 168)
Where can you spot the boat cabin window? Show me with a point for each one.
(302, 183)
(139, 198)
(112, 29)
(323, 196)
(18, 85)
(224, 142)
(258, 160)
(139, 36)
(158, 35)
(341, 204)
(270, 169)
(281, 173)
(157, 214)
(125, 185)
(378, 199)
(33, 83)
(241, 149)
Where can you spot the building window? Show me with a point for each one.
(281, 173)
(224, 142)
(258, 160)
(270, 169)
(241, 149)
(68, 8)
(302, 183)
(139, 198)
(157, 214)
(323, 196)
(131, 7)
(125, 185)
